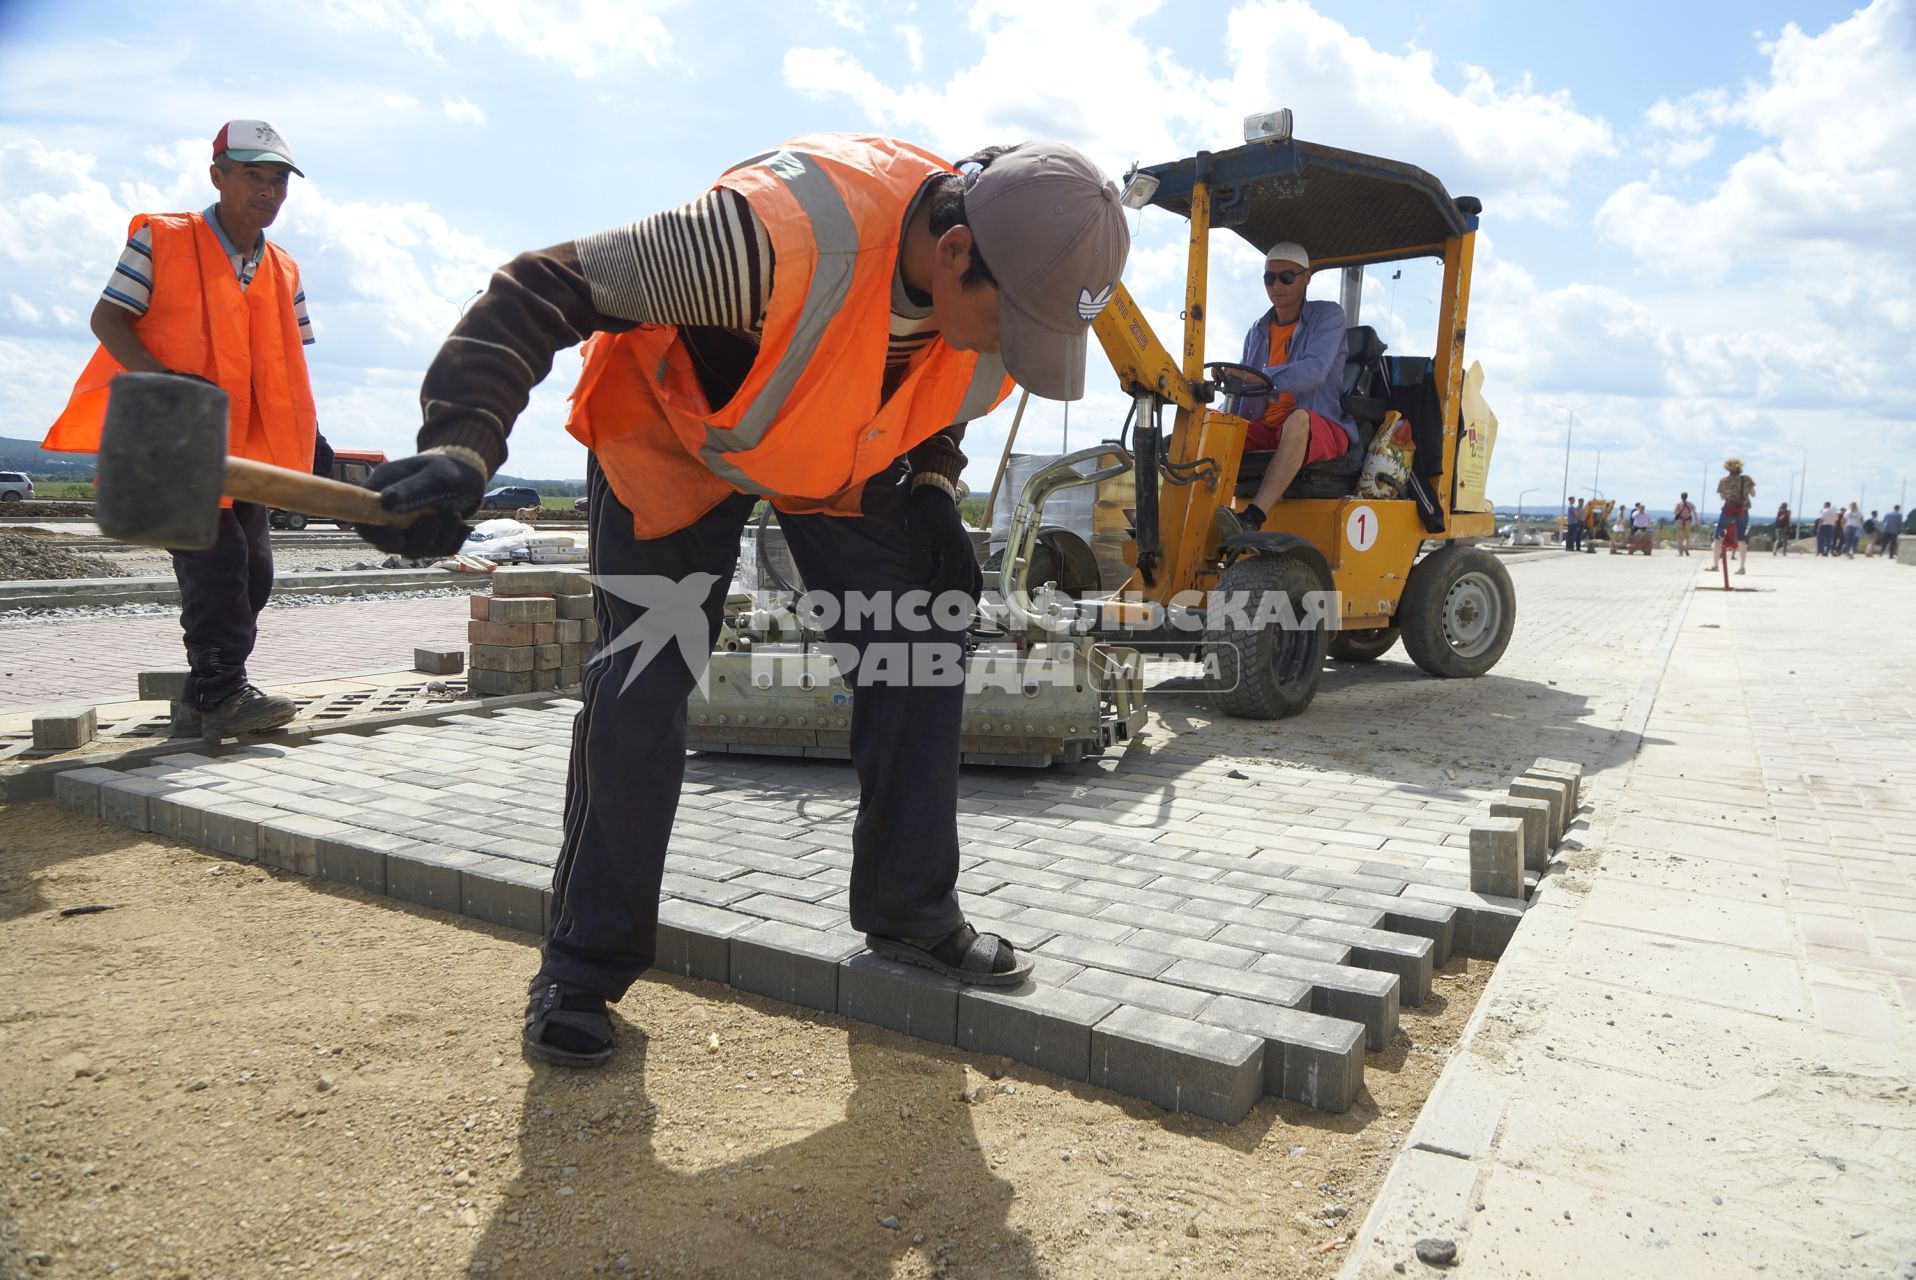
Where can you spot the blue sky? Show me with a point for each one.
(1696, 226)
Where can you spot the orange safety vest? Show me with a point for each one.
(807, 427)
(201, 321)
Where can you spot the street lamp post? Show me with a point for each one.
(1570, 430)
(1520, 498)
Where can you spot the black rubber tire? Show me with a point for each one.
(11, 495)
(1367, 644)
(1266, 672)
(1457, 612)
(295, 521)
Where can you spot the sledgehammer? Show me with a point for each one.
(163, 469)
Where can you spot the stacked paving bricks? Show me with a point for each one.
(531, 632)
(1516, 841)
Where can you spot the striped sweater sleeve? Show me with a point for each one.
(705, 264)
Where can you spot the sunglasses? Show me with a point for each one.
(1281, 277)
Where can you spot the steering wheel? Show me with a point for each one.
(1238, 379)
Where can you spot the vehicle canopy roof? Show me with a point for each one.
(1342, 206)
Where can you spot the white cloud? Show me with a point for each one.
(398, 101)
(458, 108)
(1512, 144)
(848, 14)
(914, 46)
(585, 37)
(1834, 170)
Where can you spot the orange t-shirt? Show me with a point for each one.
(1283, 405)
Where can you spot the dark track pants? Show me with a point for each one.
(222, 590)
(628, 743)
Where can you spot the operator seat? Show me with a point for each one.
(1365, 395)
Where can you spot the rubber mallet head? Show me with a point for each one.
(162, 461)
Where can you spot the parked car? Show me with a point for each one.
(15, 486)
(579, 504)
(510, 497)
(349, 465)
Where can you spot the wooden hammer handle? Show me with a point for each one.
(270, 486)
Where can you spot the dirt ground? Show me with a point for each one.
(238, 1073)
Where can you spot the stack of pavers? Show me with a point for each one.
(531, 632)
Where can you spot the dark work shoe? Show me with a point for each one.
(251, 710)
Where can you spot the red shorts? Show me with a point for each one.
(1328, 440)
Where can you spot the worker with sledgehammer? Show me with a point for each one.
(207, 296)
(814, 329)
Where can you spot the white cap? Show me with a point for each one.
(1289, 251)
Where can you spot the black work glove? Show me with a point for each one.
(452, 489)
(322, 456)
(941, 554)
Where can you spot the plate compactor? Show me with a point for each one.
(1039, 690)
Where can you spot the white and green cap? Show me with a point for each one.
(1050, 229)
(253, 142)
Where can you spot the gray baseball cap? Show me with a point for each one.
(1050, 227)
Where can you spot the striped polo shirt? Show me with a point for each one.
(132, 283)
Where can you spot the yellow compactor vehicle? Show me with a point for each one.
(1453, 606)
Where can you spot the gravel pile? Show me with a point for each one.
(28, 554)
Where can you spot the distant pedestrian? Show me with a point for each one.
(1829, 530)
(1892, 530)
(1685, 519)
(1784, 531)
(1736, 490)
(1573, 526)
(1872, 527)
(1852, 530)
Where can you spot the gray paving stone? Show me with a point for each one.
(1265, 988)
(513, 895)
(1554, 793)
(352, 859)
(1485, 924)
(78, 790)
(428, 875)
(809, 915)
(1285, 943)
(1408, 957)
(1068, 926)
(1535, 816)
(695, 940)
(127, 801)
(1191, 925)
(1567, 770)
(439, 662)
(712, 893)
(1144, 993)
(1308, 1058)
(65, 730)
(1041, 1023)
(290, 842)
(1177, 946)
(1497, 856)
(1106, 955)
(1431, 920)
(903, 997)
(1364, 996)
(791, 963)
(162, 686)
(1346, 879)
(1181, 1066)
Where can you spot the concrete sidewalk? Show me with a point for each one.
(1697, 1056)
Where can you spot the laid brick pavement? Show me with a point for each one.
(97, 659)
(1220, 911)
